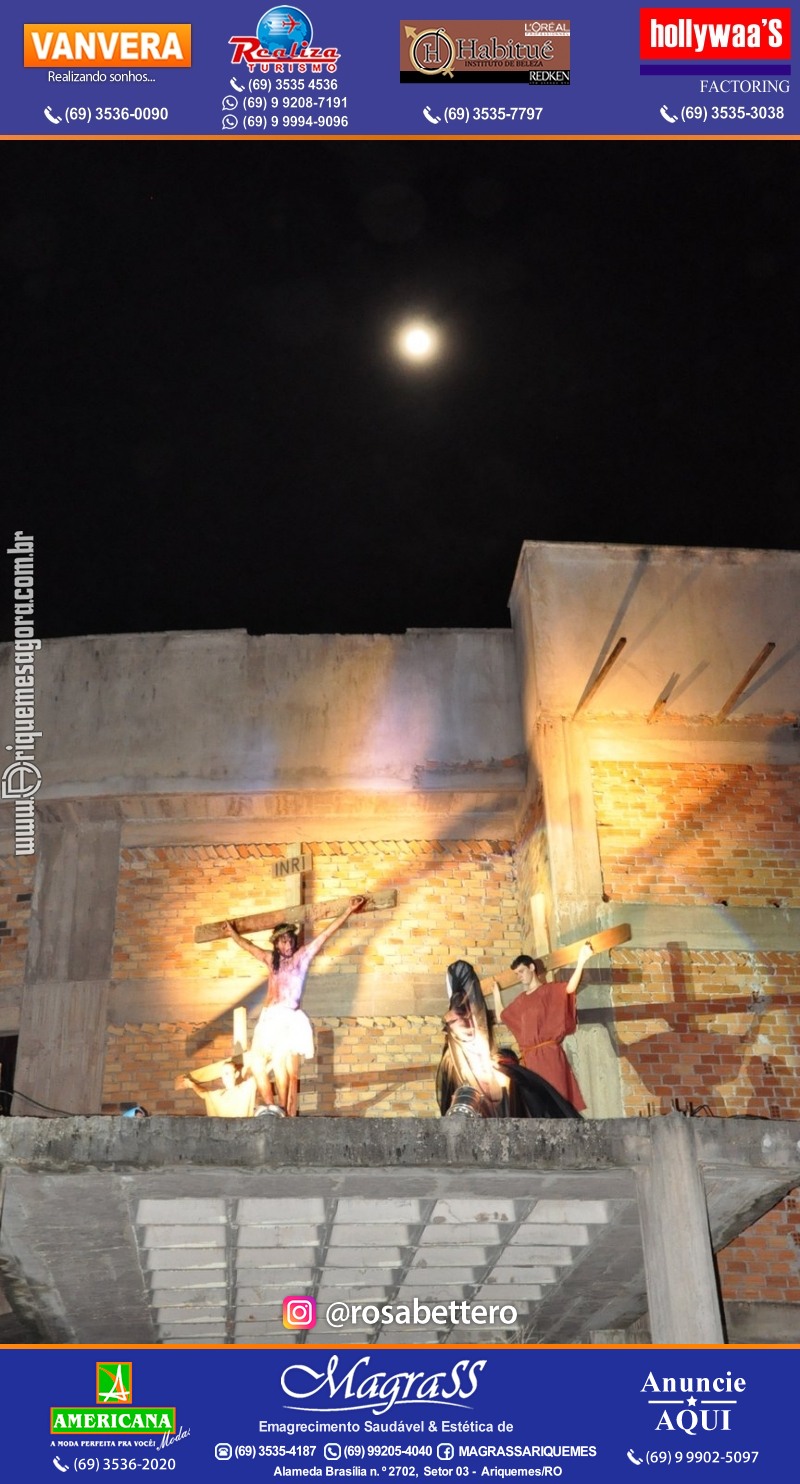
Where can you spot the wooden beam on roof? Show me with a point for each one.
(600, 677)
(744, 682)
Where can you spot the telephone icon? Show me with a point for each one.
(62, 1467)
(236, 86)
(633, 1458)
(431, 117)
(54, 119)
(671, 118)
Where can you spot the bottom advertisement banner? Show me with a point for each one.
(300, 1412)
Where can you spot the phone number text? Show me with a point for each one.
(114, 114)
(704, 1455)
(699, 113)
(265, 121)
(101, 1465)
(489, 115)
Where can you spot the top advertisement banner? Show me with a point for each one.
(243, 71)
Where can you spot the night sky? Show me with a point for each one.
(208, 425)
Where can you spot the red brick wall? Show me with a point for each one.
(365, 1066)
(687, 1029)
(686, 1023)
(456, 899)
(16, 886)
(532, 862)
(763, 1264)
(692, 833)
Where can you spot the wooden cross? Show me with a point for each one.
(214, 1068)
(260, 922)
(292, 867)
(608, 938)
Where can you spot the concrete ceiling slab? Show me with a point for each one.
(194, 1230)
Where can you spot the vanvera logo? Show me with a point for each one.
(73, 45)
(360, 1390)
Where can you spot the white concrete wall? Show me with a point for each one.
(695, 618)
(225, 712)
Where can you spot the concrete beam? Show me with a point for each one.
(674, 742)
(62, 1016)
(707, 929)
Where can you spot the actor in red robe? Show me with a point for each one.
(540, 1018)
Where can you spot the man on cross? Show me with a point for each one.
(283, 1033)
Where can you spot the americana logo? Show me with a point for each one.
(114, 1414)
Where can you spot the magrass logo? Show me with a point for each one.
(360, 1389)
(114, 1415)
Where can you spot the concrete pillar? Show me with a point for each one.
(562, 759)
(679, 1265)
(63, 1014)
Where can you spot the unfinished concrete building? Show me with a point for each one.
(626, 752)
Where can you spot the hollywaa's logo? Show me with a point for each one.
(717, 33)
(360, 1390)
(691, 1403)
(283, 43)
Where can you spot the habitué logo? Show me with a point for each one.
(534, 52)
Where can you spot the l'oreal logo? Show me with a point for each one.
(358, 1390)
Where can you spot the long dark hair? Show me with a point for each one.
(276, 953)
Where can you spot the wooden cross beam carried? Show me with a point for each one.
(214, 1069)
(261, 922)
(608, 938)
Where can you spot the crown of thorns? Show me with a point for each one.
(285, 927)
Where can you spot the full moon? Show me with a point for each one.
(418, 342)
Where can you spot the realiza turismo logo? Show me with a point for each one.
(284, 42)
(114, 1414)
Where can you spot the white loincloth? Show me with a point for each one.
(281, 1031)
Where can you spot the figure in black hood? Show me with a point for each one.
(472, 1078)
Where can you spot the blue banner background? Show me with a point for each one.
(607, 94)
(586, 1397)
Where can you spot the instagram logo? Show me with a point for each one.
(299, 1313)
